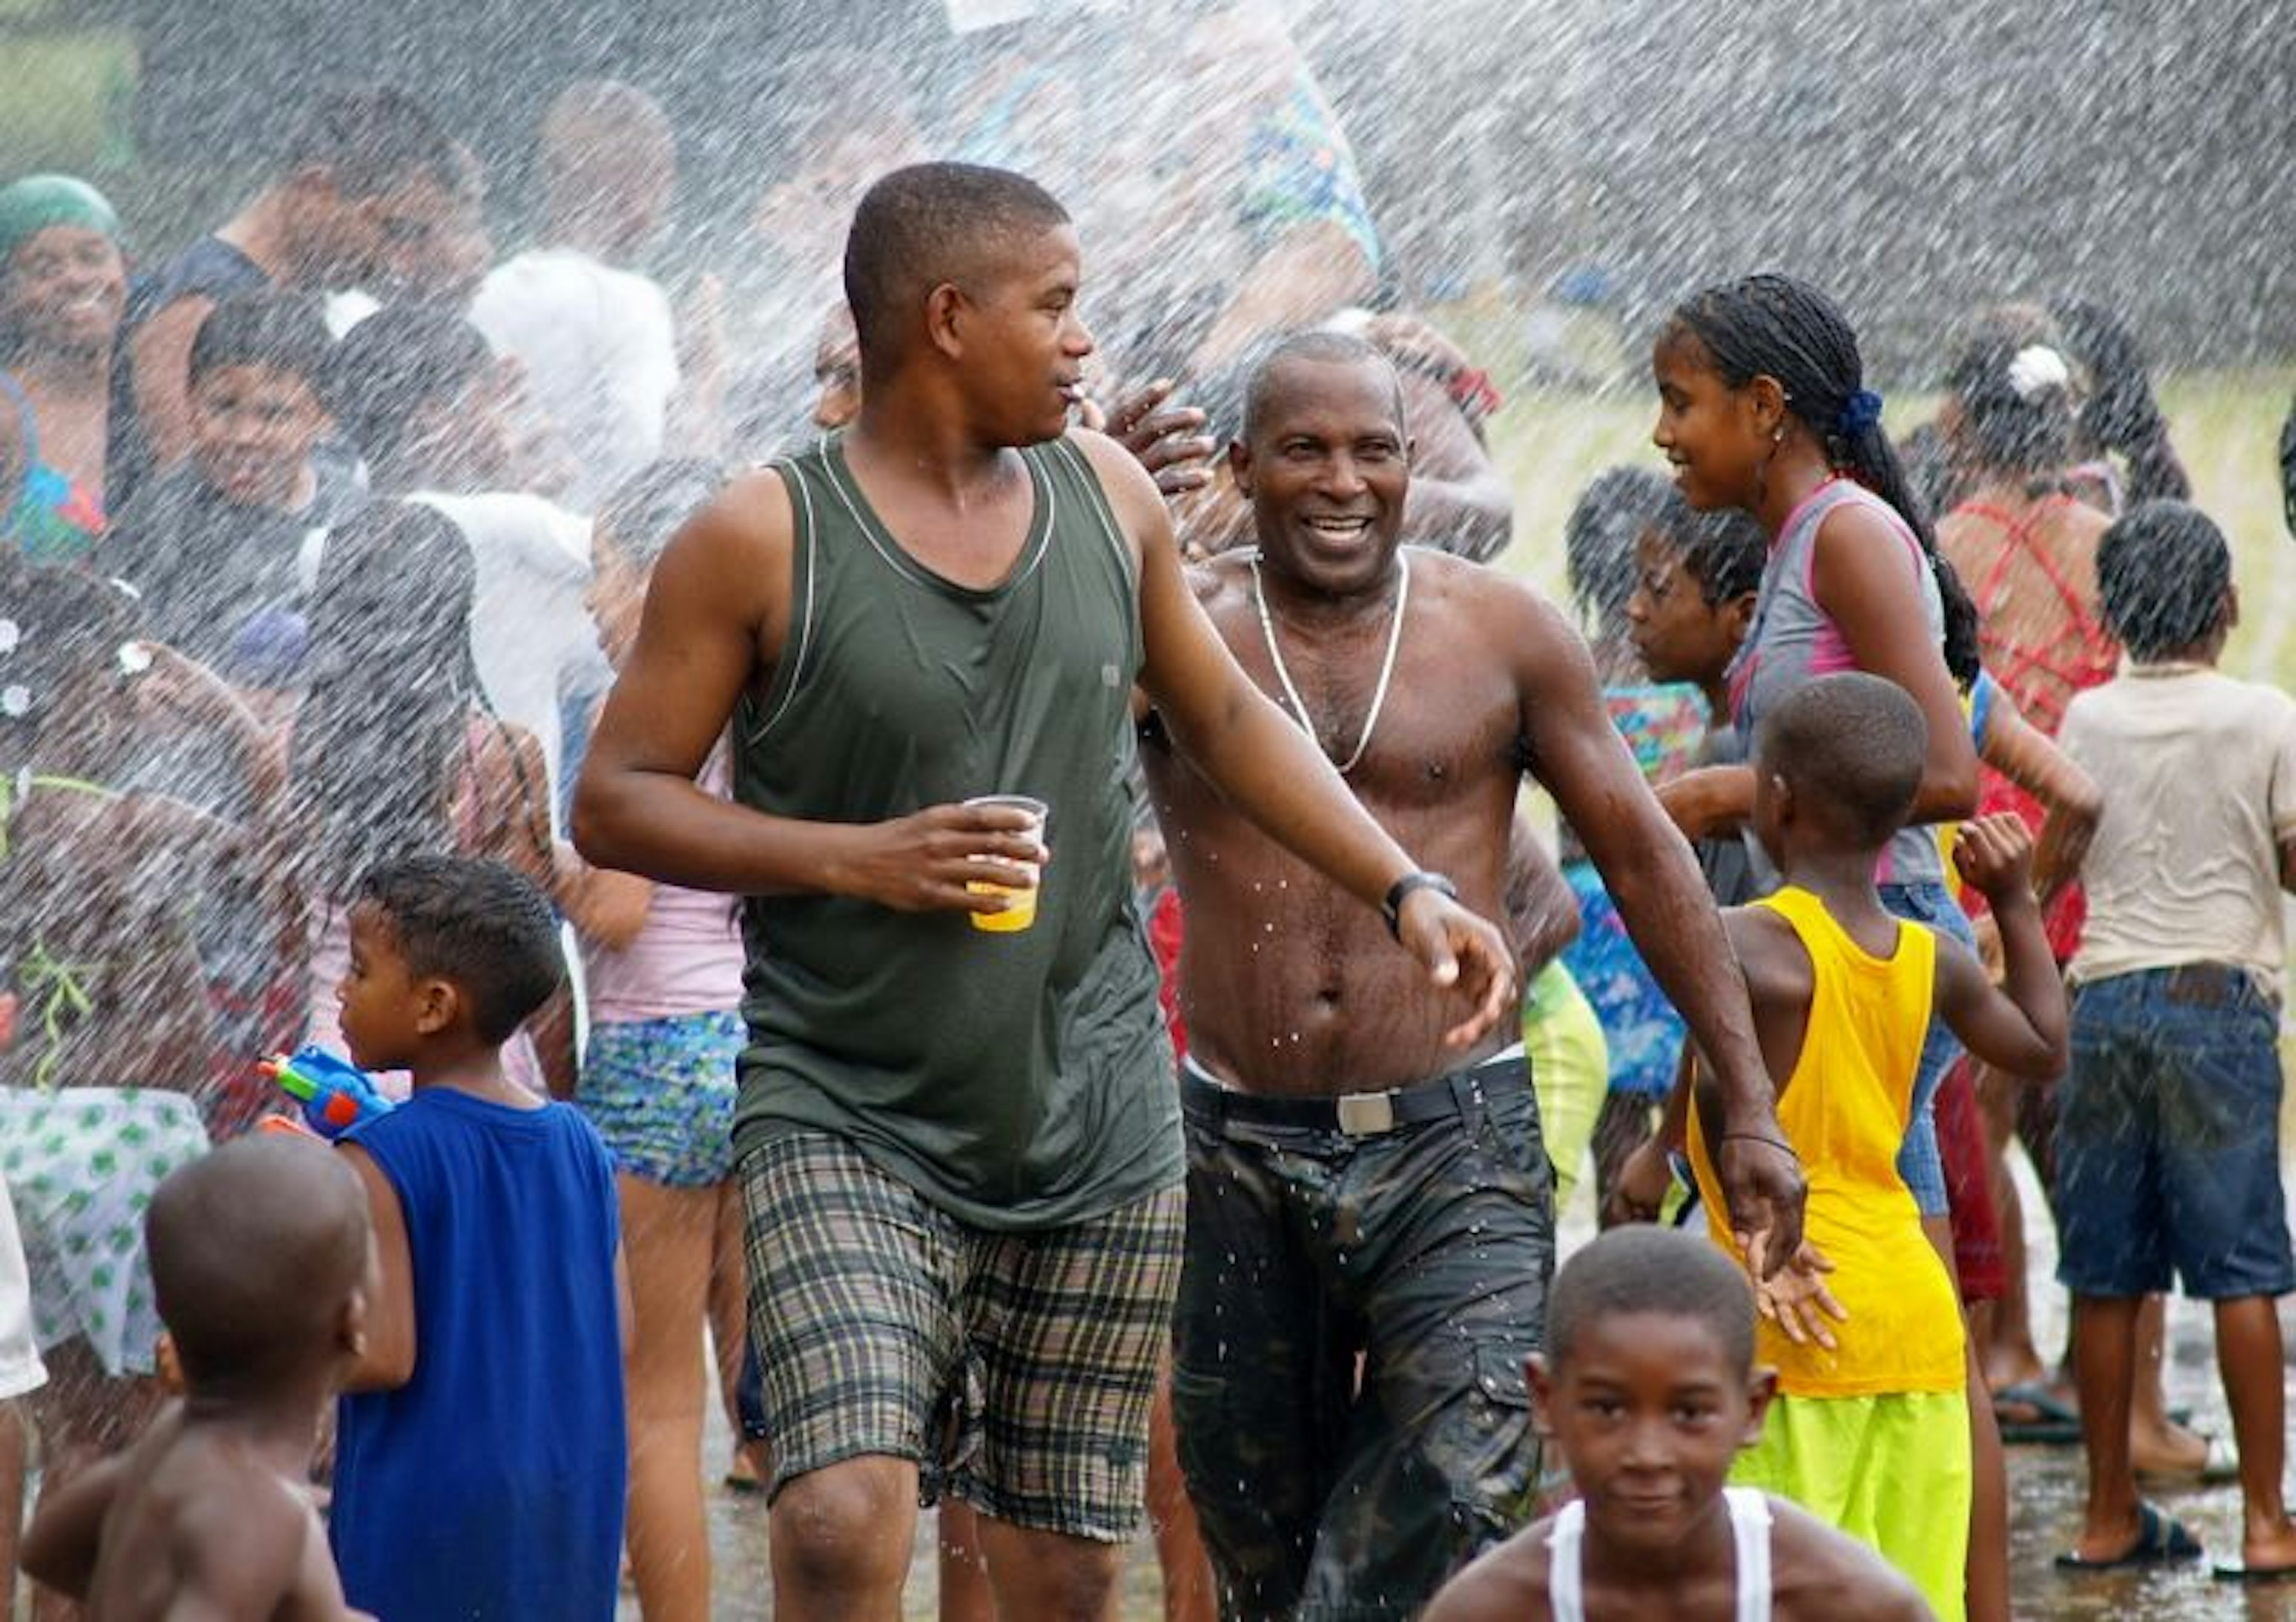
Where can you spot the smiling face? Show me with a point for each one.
(63, 290)
(1717, 438)
(1649, 1412)
(252, 430)
(1015, 329)
(1326, 471)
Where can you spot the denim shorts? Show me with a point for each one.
(1930, 903)
(2168, 1138)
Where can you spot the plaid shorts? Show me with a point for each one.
(1014, 1370)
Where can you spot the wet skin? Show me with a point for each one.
(1289, 987)
(1649, 1410)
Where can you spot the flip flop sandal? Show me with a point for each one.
(2257, 1575)
(2161, 1540)
(2056, 1422)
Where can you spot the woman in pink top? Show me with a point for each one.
(663, 968)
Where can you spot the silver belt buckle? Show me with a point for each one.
(1367, 1115)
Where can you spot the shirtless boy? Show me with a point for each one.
(260, 1257)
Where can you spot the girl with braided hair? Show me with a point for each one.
(1763, 406)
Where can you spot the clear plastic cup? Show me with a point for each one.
(1022, 911)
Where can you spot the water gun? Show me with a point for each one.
(334, 1094)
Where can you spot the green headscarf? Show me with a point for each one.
(37, 202)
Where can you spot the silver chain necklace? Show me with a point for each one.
(1386, 666)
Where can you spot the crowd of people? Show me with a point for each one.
(963, 893)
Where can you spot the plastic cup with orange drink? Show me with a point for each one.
(1021, 912)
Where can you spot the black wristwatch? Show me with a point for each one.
(1391, 909)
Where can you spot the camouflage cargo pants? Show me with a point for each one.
(1355, 1312)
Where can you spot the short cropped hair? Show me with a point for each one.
(1852, 745)
(255, 1248)
(399, 359)
(925, 225)
(479, 926)
(370, 140)
(1724, 550)
(1315, 346)
(281, 331)
(644, 511)
(1645, 1269)
(2162, 572)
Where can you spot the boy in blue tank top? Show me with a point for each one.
(480, 1468)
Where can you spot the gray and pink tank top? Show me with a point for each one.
(1794, 640)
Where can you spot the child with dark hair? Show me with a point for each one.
(2024, 531)
(259, 1255)
(2168, 1122)
(1872, 1430)
(396, 750)
(1664, 724)
(222, 542)
(1650, 1387)
(480, 1461)
(662, 966)
(1763, 407)
(1689, 614)
(408, 387)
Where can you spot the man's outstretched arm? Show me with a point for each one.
(1277, 775)
(1650, 872)
(715, 616)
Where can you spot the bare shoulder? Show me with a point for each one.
(1820, 1575)
(1499, 610)
(1507, 1584)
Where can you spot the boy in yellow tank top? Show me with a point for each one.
(1870, 1431)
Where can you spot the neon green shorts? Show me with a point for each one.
(1891, 1471)
(1569, 1071)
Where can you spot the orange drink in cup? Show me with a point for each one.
(1022, 911)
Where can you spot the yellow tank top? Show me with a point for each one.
(1845, 1109)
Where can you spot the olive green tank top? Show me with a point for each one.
(1017, 1080)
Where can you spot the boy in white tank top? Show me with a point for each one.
(1649, 1388)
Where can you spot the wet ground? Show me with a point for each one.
(2045, 1486)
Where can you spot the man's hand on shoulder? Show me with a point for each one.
(1166, 441)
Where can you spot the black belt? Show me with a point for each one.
(1363, 1114)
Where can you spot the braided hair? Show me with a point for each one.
(2121, 413)
(1776, 327)
(2018, 393)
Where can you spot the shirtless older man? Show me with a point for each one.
(1370, 1226)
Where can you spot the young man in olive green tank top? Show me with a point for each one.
(961, 1152)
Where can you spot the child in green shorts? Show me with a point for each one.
(1870, 1431)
